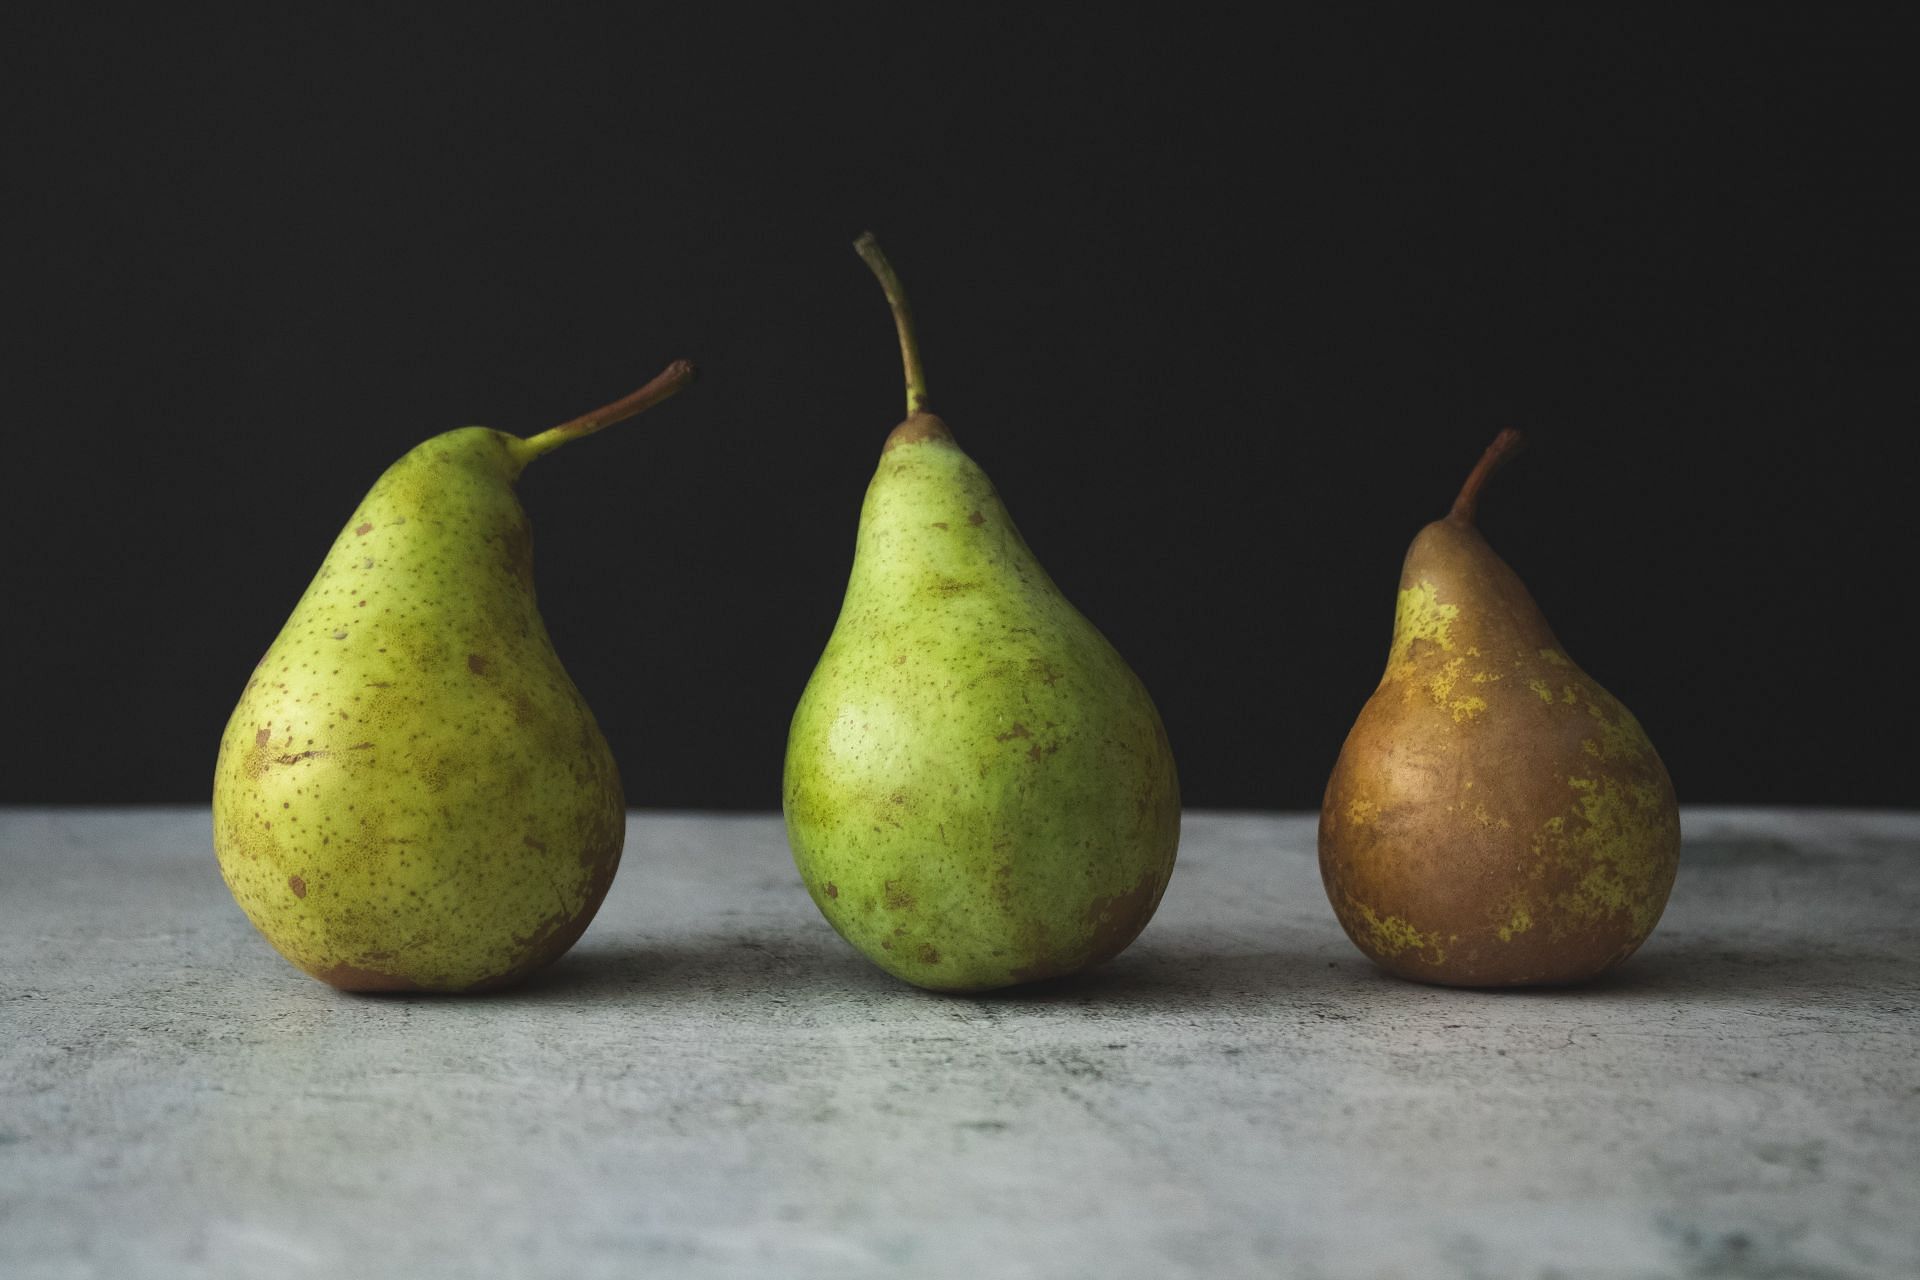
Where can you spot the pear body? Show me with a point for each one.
(411, 793)
(978, 790)
(1496, 818)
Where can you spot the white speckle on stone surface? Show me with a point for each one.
(714, 1084)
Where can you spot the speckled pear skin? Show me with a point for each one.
(412, 794)
(978, 790)
(1496, 818)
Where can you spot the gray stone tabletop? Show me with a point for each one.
(712, 1084)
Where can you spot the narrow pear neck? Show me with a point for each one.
(1457, 562)
(919, 428)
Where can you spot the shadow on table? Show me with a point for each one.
(1704, 971)
(708, 968)
(1170, 975)
(1173, 975)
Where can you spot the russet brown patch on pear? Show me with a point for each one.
(1118, 920)
(917, 429)
(352, 977)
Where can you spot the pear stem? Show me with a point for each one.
(1504, 446)
(670, 380)
(869, 250)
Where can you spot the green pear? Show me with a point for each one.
(978, 790)
(412, 794)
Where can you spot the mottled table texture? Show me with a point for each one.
(712, 1084)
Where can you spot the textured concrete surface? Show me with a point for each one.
(712, 1084)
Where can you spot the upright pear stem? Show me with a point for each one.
(670, 380)
(869, 250)
(1504, 446)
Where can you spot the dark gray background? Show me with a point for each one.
(1227, 316)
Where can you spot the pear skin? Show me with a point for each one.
(1496, 818)
(978, 790)
(411, 793)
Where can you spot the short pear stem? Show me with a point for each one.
(672, 379)
(1504, 446)
(869, 250)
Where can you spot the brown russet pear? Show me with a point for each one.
(411, 794)
(1496, 818)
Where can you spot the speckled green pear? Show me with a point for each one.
(411, 793)
(978, 790)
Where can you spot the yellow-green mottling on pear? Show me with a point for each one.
(1496, 818)
(411, 794)
(978, 790)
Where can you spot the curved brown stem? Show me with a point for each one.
(1504, 446)
(869, 250)
(670, 380)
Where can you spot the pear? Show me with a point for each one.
(978, 791)
(411, 793)
(1496, 818)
